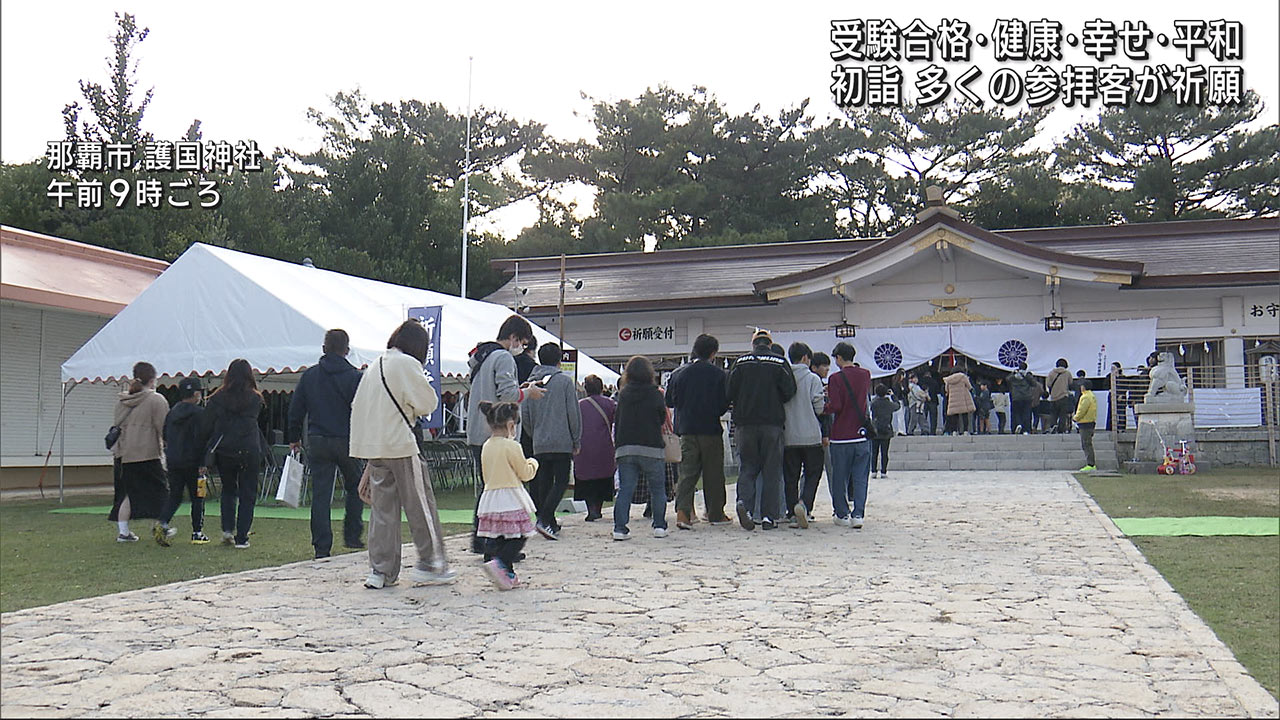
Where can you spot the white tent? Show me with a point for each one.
(213, 305)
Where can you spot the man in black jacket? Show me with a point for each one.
(699, 394)
(760, 384)
(183, 456)
(323, 398)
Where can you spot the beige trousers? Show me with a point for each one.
(396, 484)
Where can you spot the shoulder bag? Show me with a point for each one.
(670, 441)
(113, 433)
(603, 415)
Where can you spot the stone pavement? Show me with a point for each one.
(967, 594)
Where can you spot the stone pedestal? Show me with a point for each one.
(1170, 421)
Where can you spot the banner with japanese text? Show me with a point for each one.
(430, 319)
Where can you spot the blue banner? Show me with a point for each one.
(430, 319)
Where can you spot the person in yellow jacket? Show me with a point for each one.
(505, 513)
(1086, 418)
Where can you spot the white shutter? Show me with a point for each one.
(90, 407)
(19, 379)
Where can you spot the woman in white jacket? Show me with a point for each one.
(393, 393)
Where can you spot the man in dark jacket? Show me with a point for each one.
(184, 454)
(698, 392)
(760, 384)
(323, 400)
(1023, 392)
(930, 384)
(554, 423)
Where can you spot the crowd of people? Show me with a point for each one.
(924, 401)
(529, 428)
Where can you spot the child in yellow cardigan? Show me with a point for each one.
(504, 516)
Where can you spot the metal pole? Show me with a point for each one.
(62, 443)
(1269, 397)
(560, 329)
(466, 186)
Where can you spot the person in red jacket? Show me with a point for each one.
(847, 392)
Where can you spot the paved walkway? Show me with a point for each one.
(967, 594)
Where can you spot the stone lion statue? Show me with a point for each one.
(1166, 385)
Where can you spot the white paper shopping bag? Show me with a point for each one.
(290, 490)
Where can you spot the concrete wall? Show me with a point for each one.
(15, 478)
(1218, 447)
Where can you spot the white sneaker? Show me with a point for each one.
(228, 538)
(857, 523)
(843, 522)
(377, 581)
(800, 515)
(659, 532)
(426, 577)
(621, 535)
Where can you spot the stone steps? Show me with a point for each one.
(998, 452)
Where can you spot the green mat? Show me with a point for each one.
(1203, 526)
(462, 517)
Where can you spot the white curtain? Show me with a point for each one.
(880, 350)
(1228, 407)
(1088, 346)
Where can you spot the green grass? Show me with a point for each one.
(47, 558)
(1233, 583)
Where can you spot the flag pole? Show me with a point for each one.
(466, 186)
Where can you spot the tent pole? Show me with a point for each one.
(62, 445)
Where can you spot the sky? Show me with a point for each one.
(251, 70)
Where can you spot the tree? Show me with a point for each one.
(385, 188)
(1035, 196)
(1175, 162)
(953, 146)
(672, 169)
(116, 118)
(866, 200)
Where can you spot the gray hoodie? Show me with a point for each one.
(492, 380)
(802, 428)
(553, 420)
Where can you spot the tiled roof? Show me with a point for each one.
(1172, 253)
(50, 271)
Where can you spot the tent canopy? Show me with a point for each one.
(213, 305)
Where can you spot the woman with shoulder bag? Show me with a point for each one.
(393, 393)
(141, 490)
(236, 443)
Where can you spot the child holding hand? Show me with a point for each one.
(504, 515)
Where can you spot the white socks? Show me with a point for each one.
(124, 526)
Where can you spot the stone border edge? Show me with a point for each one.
(1254, 698)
